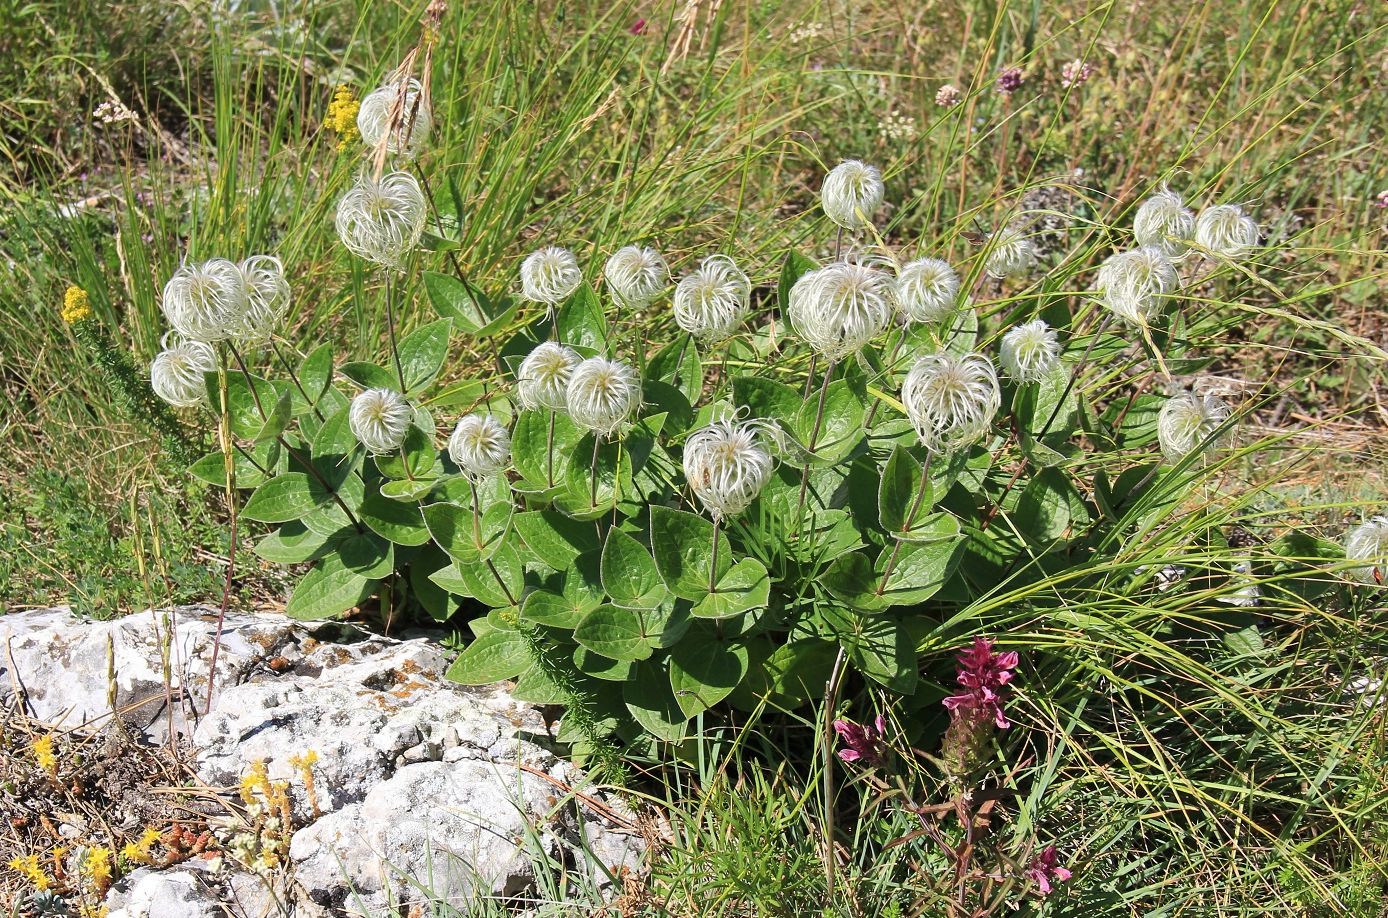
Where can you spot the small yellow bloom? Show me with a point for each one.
(96, 866)
(342, 115)
(43, 751)
(139, 851)
(28, 868)
(76, 305)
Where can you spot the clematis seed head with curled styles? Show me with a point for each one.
(727, 464)
(603, 394)
(1134, 285)
(383, 220)
(926, 290)
(177, 373)
(1367, 543)
(840, 307)
(267, 298)
(380, 419)
(542, 381)
(1010, 253)
(851, 194)
(713, 300)
(1226, 231)
(206, 301)
(480, 445)
(951, 399)
(1164, 222)
(1187, 423)
(1030, 352)
(549, 275)
(636, 275)
(396, 116)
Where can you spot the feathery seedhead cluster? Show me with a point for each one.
(1164, 222)
(1226, 231)
(404, 134)
(383, 220)
(1030, 352)
(841, 307)
(727, 464)
(926, 290)
(549, 275)
(951, 400)
(713, 300)
(542, 381)
(267, 298)
(636, 275)
(1135, 284)
(480, 445)
(602, 394)
(851, 194)
(177, 373)
(1191, 422)
(1011, 253)
(1368, 544)
(206, 301)
(380, 419)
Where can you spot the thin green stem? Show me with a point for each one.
(713, 564)
(814, 441)
(390, 329)
(294, 378)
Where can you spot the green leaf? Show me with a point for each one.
(840, 430)
(1246, 642)
(408, 491)
(1049, 508)
(401, 523)
(581, 321)
(212, 467)
(651, 701)
(555, 538)
(456, 300)
(422, 353)
(536, 686)
(615, 633)
(600, 667)
(243, 409)
(705, 668)
(328, 590)
(792, 269)
(766, 398)
(288, 496)
(746, 586)
(881, 648)
(364, 553)
(498, 581)
(552, 610)
(921, 567)
(613, 473)
(677, 364)
(420, 460)
(292, 543)
(370, 376)
(468, 540)
(629, 574)
(659, 397)
(532, 451)
(435, 600)
(901, 481)
(335, 451)
(683, 546)
(494, 657)
(277, 421)
(315, 376)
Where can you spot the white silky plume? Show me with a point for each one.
(602, 394)
(636, 275)
(1010, 253)
(1030, 352)
(1187, 423)
(1226, 231)
(542, 381)
(851, 194)
(1135, 284)
(206, 301)
(176, 375)
(840, 307)
(267, 298)
(951, 399)
(1164, 221)
(713, 300)
(380, 419)
(412, 119)
(727, 464)
(549, 275)
(926, 290)
(382, 221)
(480, 445)
(1368, 544)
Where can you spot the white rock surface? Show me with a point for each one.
(175, 893)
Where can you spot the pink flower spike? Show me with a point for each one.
(1045, 869)
(861, 743)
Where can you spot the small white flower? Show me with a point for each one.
(1369, 689)
(207, 301)
(727, 465)
(405, 133)
(1164, 221)
(1029, 352)
(636, 275)
(1188, 423)
(267, 297)
(602, 394)
(841, 307)
(480, 445)
(1368, 544)
(1010, 253)
(852, 192)
(380, 419)
(176, 375)
(542, 381)
(1225, 230)
(1136, 283)
(382, 221)
(549, 275)
(926, 290)
(713, 300)
(951, 400)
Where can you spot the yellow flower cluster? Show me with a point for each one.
(96, 867)
(28, 868)
(342, 115)
(44, 754)
(305, 765)
(76, 305)
(139, 851)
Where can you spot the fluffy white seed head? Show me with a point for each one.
(602, 394)
(951, 399)
(480, 445)
(382, 221)
(851, 194)
(840, 307)
(1226, 231)
(267, 298)
(1030, 351)
(1188, 423)
(176, 375)
(727, 464)
(1164, 222)
(380, 418)
(207, 301)
(542, 381)
(1136, 283)
(713, 300)
(549, 275)
(1010, 253)
(408, 130)
(1368, 543)
(926, 290)
(636, 275)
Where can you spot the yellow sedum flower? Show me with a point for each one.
(28, 868)
(77, 306)
(342, 115)
(43, 752)
(96, 867)
(139, 851)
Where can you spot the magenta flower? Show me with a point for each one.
(638, 27)
(862, 742)
(1381, 200)
(983, 674)
(1010, 80)
(1045, 869)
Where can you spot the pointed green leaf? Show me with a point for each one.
(629, 574)
(746, 586)
(683, 546)
(494, 657)
(614, 632)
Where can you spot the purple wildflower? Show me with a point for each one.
(1381, 200)
(862, 742)
(983, 674)
(638, 27)
(1010, 80)
(1075, 73)
(1045, 869)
